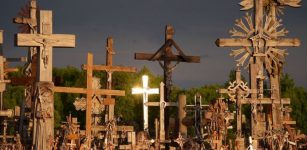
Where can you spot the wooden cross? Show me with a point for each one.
(238, 92)
(109, 68)
(145, 91)
(45, 41)
(165, 55)
(89, 91)
(162, 104)
(198, 109)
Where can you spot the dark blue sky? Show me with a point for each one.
(138, 26)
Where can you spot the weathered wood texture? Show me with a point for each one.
(1, 37)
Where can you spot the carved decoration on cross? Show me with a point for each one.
(97, 100)
(249, 4)
(261, 38)
(165, 56)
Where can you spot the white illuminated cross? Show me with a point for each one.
(145, 91)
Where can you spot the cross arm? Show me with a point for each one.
(266, 101)
(118, 128)
(60, 89)
(189, 59)
(111, 68)
(224, 42)
(21, 59)
(55, 40)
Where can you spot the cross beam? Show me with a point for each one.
(45, 40)
(109, 69)
(166, 55)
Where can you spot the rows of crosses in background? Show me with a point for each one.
(263, 46)
(45, 40)
(89, 91)
(4, 69)
(165, 56)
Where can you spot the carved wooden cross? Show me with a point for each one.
(165, 56)
(45, 40)
(89, 91)
(162, 104)
(109, 68)
(238, 92)
(260, 41)
(145, 91)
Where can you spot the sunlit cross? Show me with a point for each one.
(145, 91)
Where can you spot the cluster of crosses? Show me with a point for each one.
(259, 39)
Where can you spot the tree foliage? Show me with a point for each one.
(129, 107)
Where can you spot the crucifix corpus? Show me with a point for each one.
(165, 56)
(43, 134)
(109, 69)
(145, 91)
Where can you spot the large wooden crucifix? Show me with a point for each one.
(89, 91)
(260, 41)
(109, 69)
(43, 134)
(4, 69)
(165, 56)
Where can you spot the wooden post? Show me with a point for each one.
(89, 75)
(165, 55)
(182, 114)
